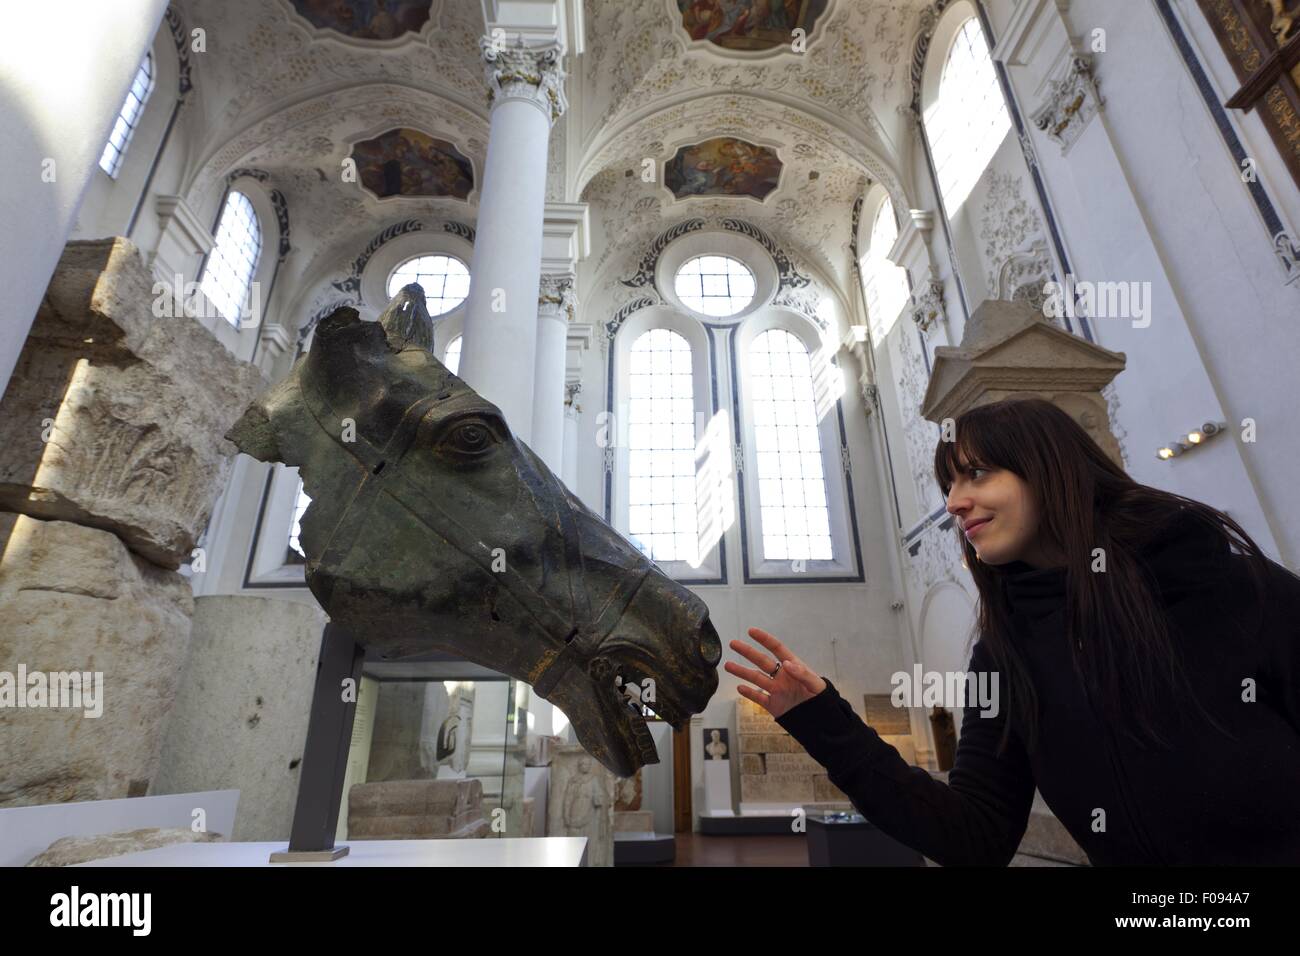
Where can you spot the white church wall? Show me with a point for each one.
(1148, 194)
(53, 114)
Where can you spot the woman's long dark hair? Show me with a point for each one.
(1085, 501)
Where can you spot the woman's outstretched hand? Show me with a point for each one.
(793, 684)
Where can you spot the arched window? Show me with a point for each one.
(662, 517)
(884, 284)
(451, 358)
(128, 118)
(233, 260)
(715, 285)
(445, 280)
(791, 481)
(968, 119)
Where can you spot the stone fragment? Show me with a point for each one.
(75, 599)
(240, 720)
(776, 788)
(69, 851)
(114, 417)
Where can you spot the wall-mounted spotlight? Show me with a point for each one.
(1197, 436)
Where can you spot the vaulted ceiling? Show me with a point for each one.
(290, 86)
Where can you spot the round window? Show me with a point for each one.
(715, 285)
(444, 279)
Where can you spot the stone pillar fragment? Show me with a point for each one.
(74, 599)
(115, 414)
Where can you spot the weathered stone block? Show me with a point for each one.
(70, 851)
(75, 599)
(114, 417)
(240, 720)
(776, 787)
(769, 744)
(792, 763)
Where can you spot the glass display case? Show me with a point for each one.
(435, 719)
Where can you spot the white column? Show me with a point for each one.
(498, 354)
(555, 307)
(569, 469)
(56, 119)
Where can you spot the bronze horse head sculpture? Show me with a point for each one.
(431, 527)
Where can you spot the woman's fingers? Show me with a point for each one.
(757, 696)
(765, 663)
(751, 675)
(769, 641)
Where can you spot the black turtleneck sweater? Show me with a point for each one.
(1205, 800)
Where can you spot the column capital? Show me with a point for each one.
(519, 72)
(556, 296)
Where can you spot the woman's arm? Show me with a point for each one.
(978, 817)
(1279, 673)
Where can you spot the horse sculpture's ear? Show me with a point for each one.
(254, 434)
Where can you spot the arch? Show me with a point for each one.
(689, 567)
(886, 287)
(963, 111)
(826, 387)
(229, 268)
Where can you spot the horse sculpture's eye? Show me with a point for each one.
(469, 438)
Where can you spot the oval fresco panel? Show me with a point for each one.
(749, 24)
(366, 19)
(723, 166)
(406, 162)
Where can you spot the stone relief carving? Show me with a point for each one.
(934, 556)
(1024, 274)
(927, 304)
(1071, 103)
(1119, 431)
(920, 434)
(1009, 225)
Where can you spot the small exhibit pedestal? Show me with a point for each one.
(634, 848)
(849, 839)
(514, 851)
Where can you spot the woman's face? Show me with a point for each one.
(996, 511)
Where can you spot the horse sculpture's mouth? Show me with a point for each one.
(625, 685)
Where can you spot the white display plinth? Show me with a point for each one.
(546, 851)
(717, 787)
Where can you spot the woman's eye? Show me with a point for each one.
(973, 470)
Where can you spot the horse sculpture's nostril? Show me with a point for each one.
(710, 644)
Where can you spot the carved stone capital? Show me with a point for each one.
(571, 392)
(534, 74)
(927, 304)
(1072, 101)
(556, 296)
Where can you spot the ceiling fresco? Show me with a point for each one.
(749, 24)
(366, 19)
(407, 162)
(723, 166)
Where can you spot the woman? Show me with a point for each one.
(1150, 675)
